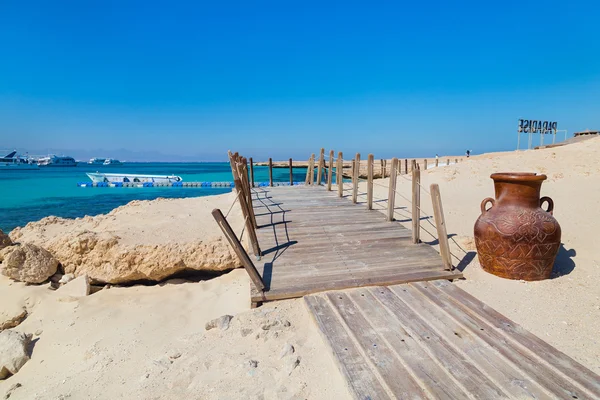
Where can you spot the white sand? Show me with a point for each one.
(124, 342)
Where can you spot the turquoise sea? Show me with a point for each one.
(27, 196)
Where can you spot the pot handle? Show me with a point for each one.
(550, 204)
(484, 203)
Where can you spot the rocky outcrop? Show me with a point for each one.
(13, 352)
(4, 240)
(11, 317)
(28, 263)
(144, 240)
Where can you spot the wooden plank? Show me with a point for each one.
(238, 249)
(416, 205)
(330, 171)
(376, 352)
(508, 377)
(440, 225)
(446, 355)
(477, 310)
(431, 375)
(392, 190)
(362, 382)
(291, 173)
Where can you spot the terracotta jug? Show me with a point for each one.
(515, 237)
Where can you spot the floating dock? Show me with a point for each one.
(179, 184)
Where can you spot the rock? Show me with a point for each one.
(4, 240)
(13, 352)
(11, 390)
(11, 317)
(56, 278)
(174, 355)
(119, 248)
(287, 350)
(78, 287)
(222, 323)
(66, 278)
(29, 263)
(253, 364)
(291, 364)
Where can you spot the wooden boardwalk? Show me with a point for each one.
(312, 241)
(433, 340)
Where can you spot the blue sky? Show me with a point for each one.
(282, 78)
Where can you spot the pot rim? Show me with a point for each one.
(518, 176)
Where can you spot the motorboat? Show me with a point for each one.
(98, 177)
(97, 161)
(112, 161)
(57, 161)
(13, 161)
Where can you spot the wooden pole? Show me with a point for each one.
(330, 171)
(252, 171)
(270, 172)
(440, 224)
(436, 161)
(370, 166)
(246, 213)
(425, 164)
(406, 165)
(456, 161)
(291, 173)
(448, 162)
(392, 189)
(355, 178)
(339, 174)
(311, 179)
(246, 185)
(238, 249)
(320, 165)
(416, 205)
(382, 169)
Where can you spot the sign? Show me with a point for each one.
(533, 126)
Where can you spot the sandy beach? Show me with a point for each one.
(149, 341)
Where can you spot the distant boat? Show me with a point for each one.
(97, 161)
(132, 178)
(57, 161)
(112, 161)
(12, 161)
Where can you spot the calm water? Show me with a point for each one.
(27, 196)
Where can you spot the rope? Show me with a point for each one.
(237, 196)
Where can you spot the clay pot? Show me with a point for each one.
(515, 237)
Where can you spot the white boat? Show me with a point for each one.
(57, 161)
(13, 161)
(112, 161)
(97, 161)
(132, 178)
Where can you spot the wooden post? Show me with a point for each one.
(355, 178)
(246, 185)
(416, 205)
(311, 166)
(425, 164)
(291, 173)
(448, 162)
(392, 189)
(382, 168)
(246, 213)
(339, 174)
(406, 165)
(270, 172)
(456, 161)
(370, 166)
(252, 171)
(436, 161)
(238, 249)
(440, 224)
(330, 171)
(320, 165)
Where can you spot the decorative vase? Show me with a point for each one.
(515, 237)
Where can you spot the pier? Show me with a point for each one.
(384, 301)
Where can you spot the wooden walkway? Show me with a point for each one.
(312, 241)
(433, 340)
